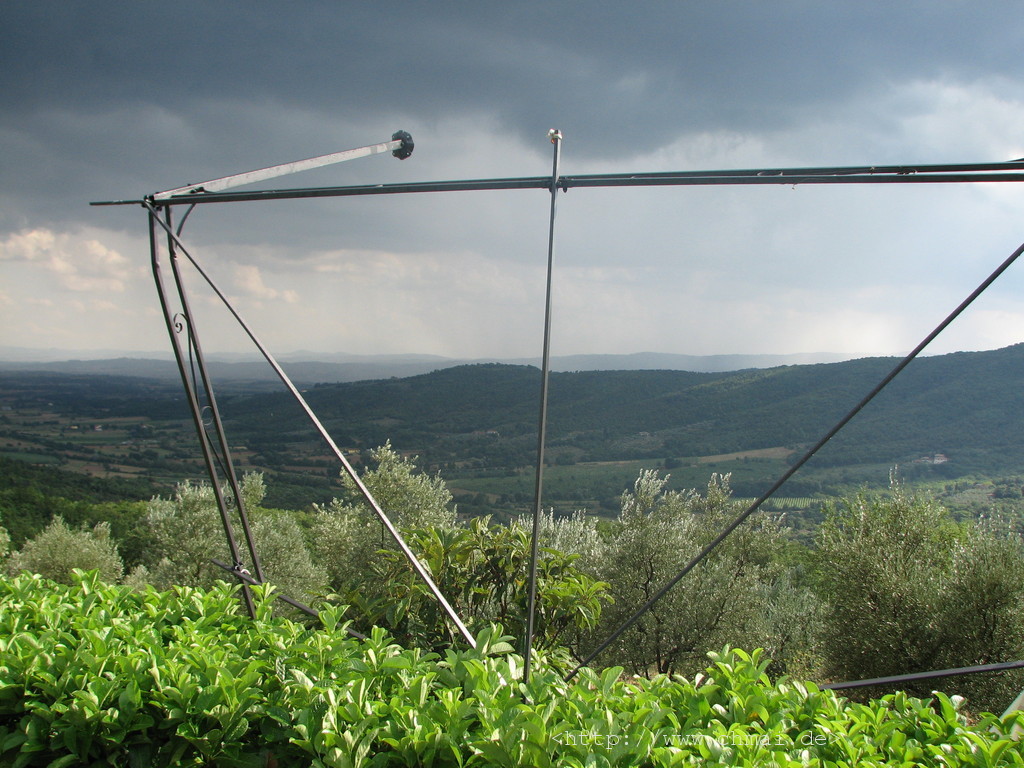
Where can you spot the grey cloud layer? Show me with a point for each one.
(128, 97)
(112, 99)
(603, 71)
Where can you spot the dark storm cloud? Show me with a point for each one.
(119, 99)
(607, 73)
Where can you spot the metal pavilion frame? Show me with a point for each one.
(198, 386)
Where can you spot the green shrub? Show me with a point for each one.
(185, 534)
(92, 674)
(742, 594)
(483, 570)
(347, 535)
(58, 550)
(908, 590)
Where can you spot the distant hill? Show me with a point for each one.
(303, 373)
(963, 405)
(307, 368)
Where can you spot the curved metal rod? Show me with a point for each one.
(177, 324)
(803, 460)
(349, 470)
(184, 218)
(200, 362)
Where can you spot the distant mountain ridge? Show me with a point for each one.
(965, 404)
(309, 368)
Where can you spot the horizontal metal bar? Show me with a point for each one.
(887, 174)
(901, 170)
(468, 185)
(783, 179)
(925, 675)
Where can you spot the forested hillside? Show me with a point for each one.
(964, 403)
(945, 418)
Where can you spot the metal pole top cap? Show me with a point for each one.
(407, 145)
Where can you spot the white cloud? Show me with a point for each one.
(977, 120)
(77, 260)
(439, 303)
(77, 289)
(249, 280)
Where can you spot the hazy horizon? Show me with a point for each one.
(14, 354)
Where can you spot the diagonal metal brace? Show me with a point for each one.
(401, 146)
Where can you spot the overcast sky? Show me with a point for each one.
(114, 100)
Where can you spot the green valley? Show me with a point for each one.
(947, 420)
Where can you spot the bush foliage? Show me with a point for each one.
(58, 550)
(894, 586)
(94, 674)
(906, 589)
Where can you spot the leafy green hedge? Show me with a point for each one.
(94, 674)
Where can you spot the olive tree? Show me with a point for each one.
(739, 595)
(186, 533)
(58, 549)
(909, 590)
(347, 534)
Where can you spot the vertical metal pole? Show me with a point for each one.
(173, 329)
(218, 426)
(556, 140)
